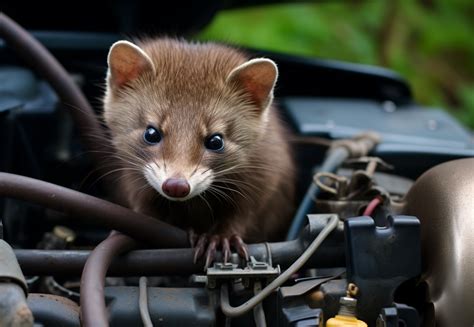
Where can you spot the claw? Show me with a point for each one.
(192, 237)
(211, 251)
(225, 249)
(200, 247)
(208, 244)
(240, 246)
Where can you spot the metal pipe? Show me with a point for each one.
(44, 63)
(176, 261)
(92, 210)
(93, 308)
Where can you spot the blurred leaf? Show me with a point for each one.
(430, 42)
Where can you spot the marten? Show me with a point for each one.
(199, 141)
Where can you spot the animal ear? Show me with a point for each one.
(126, 62)
(257, 77)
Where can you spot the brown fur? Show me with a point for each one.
(187, 98)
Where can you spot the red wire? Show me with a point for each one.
(374, 203)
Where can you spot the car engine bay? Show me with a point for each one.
(383, 231)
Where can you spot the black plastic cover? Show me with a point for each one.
(379, 259)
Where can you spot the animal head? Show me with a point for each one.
(183, 116)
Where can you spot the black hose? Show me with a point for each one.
(331, 163)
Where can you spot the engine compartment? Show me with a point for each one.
(371, 261)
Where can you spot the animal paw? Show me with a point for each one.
(207, 245)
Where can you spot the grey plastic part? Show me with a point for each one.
(9, 268)
(167, 306)
(300, 316)
(388, 317)
(19, 88)
(380, 259)
(14, 311)
(54, 311)
(409, 125)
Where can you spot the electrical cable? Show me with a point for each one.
(340, 150)
(143, 302)
(258, 313)
(230, 311)
(373, 204)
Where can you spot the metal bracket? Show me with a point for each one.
(230, 271)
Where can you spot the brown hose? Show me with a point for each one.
(43, 62)
(91, 210)
(93, 308)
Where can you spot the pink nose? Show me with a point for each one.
(176, 187)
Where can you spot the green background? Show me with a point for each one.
(429, 42)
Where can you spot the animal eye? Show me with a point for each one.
(151, 136)
(215, 142)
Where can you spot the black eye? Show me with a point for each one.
(151, 135)
(215, 142)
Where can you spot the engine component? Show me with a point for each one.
(340, 150)
(347, 310)
(330, 222)
(14, 311)
(398, 315)
(228, 271)
(347, 315)
(302, 316)
(379, 259)
(388, 318)
(53, 310)
(442, 198)
(167, 306)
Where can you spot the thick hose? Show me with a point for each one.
(230, 311)
(93, 308)
(333, 161)
(43, 62)
(91, 210)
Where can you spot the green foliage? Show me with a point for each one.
(430, 42)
